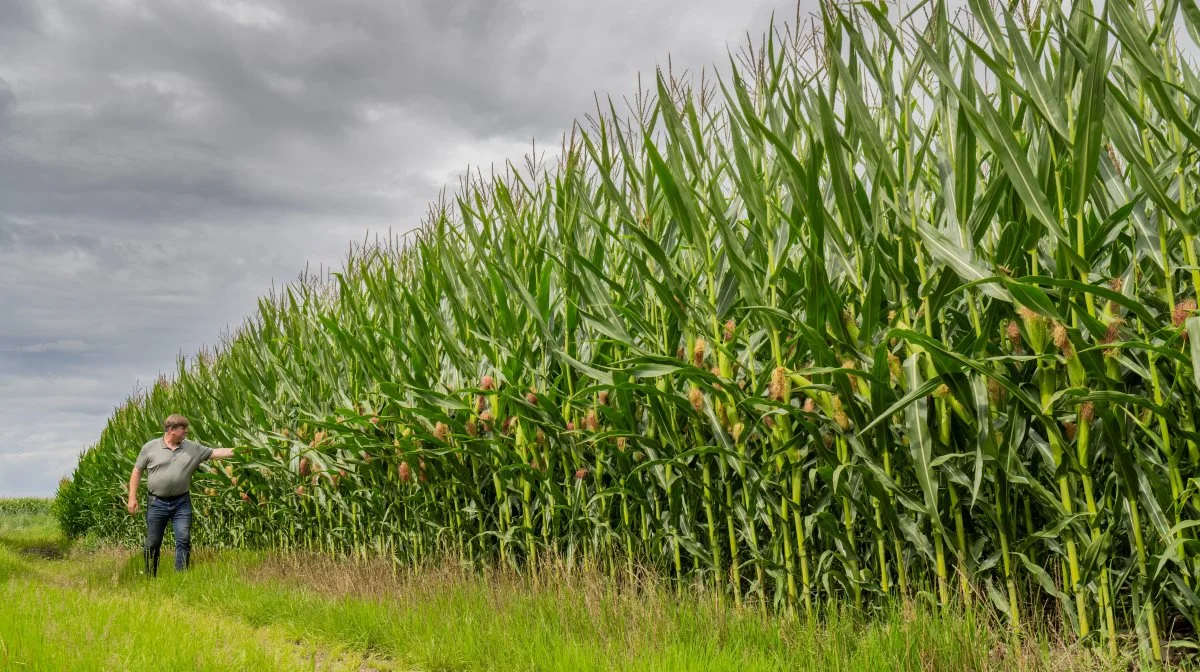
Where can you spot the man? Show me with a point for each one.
(169, 462)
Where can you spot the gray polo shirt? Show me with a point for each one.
(169, 472)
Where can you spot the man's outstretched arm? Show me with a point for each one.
(221, 453)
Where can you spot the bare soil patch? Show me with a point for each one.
(44, 551)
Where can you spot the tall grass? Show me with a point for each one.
(906, 308)
(287, 610)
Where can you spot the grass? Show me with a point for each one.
(48, 627)
(75, 612)
(88, 607)
(446, 620)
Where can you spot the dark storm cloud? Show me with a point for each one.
(163, 162)
(172, 109)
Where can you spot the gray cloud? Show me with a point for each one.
(8, 98)
(69, 345)
(17, 16)
(163, 162)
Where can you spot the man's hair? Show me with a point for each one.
(174, 420)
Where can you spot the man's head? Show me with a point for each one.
(175, 428)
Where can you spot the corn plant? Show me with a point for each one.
(902, 306)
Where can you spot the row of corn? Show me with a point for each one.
(902, 304)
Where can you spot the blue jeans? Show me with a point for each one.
(177, 510)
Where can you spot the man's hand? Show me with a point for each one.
(221, 453)
(132, 506)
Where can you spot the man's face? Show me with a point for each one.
(177, 434)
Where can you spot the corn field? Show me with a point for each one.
(902, 305)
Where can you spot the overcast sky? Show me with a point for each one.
(163, 162)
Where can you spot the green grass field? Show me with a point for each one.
(86, 606)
